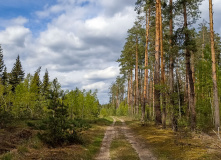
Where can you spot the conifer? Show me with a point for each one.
(17, 74)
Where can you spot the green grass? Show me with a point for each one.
(22, 149)
(121, 149)
(7, 156)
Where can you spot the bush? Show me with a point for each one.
(5, 118)
(122, 110)
(59, 131)
(105, 112)
(79, 124)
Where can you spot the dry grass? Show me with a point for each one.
(35, 149)
(121, 149)
(168, 145)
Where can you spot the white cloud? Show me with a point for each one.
(57, 38)
(204, 8)
(16, 35)
(107, 73)
(48, 11)
(79, 46)
(98, 85)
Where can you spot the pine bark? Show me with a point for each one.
(137, 80)
(189, 73)
(215, 88)
(171, 69)
(146, 64)
(128, 91)
(158, 118)
(162, 69)
(131, 91)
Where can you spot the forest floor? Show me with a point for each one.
(18, 141)
(166, 144)
(116, 138)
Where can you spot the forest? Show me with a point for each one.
(165, 104)
(170, 67)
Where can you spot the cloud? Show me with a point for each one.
(80, 44)
(107, 73)
(204, 8)
(16, 35)
(98, 85)
(48, 11)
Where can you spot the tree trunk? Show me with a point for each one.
(131, 91)
(189, 73)
(178, 90)
(162, 69)
(158, 118)
(128, 91)
(136, 79)
(215, 89)
(171, 76)
(146, 64)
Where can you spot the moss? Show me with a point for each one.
(167, 145)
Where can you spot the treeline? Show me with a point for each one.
(170, 71)
(32, 98)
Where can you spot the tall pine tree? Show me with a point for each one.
(1, 62)
(45, 84)
(17, 74)
(5, 77)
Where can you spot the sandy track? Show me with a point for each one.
(108, 137)
(111, 132)
(140, 147)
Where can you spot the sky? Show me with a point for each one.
(77, 41)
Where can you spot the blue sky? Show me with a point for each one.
(25, 8)
(78, 41)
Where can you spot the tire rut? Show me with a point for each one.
(140, 147)
(112, 132)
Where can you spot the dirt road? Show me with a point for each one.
(112, 131)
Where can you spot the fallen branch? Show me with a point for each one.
(217, 134)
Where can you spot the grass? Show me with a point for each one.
(7, 156)
(167, 145)
(33, 148)
(93, 138)
(22, 149)
(121, 149)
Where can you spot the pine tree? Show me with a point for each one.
(45, 84)
(158, 118)
(1, 62)
(145, 6)
(36, 82)
(214, 77)
(17, 74)
(5, 77)
(171, 68)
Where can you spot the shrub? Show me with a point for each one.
(122, 110)
(59, 129)
(5, 118)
